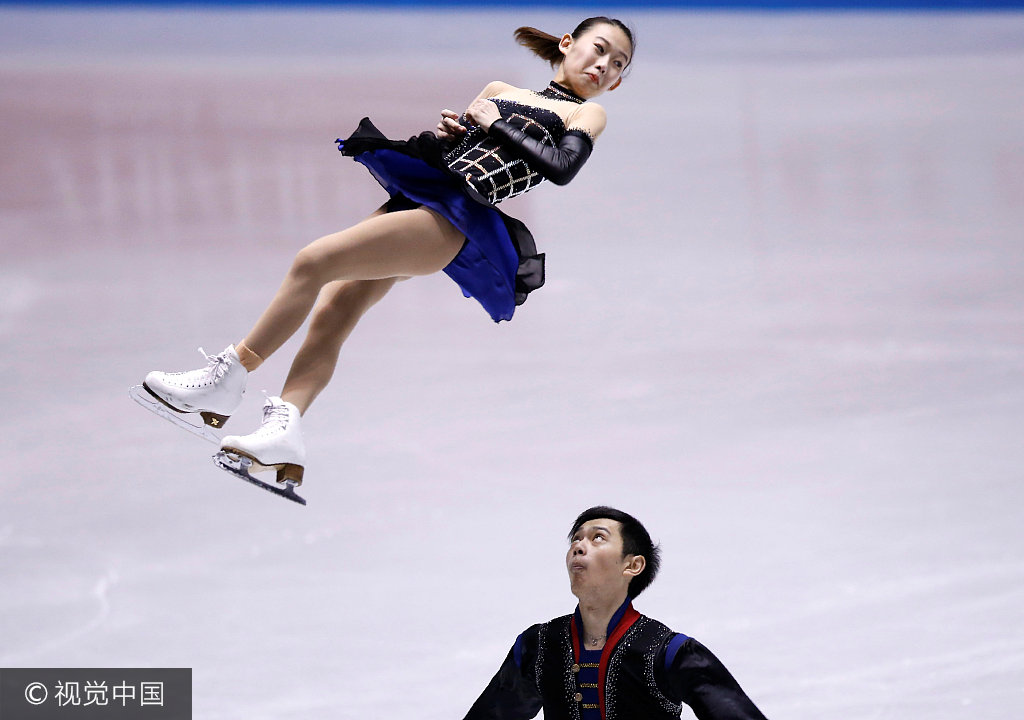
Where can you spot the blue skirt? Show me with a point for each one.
(498, 264)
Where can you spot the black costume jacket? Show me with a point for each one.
(647, 672)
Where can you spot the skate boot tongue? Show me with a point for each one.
(275, 412)
(217, 365)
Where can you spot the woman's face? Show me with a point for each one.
(595, 60)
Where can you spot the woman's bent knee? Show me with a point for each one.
(306, 267)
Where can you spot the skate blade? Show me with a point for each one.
(142, 395)
(238, 465)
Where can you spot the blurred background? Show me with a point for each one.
(783, 326)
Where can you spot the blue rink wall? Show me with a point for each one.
(764, 5)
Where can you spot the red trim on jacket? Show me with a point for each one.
(629, 617)
(624, 625)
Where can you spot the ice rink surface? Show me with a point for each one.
(783, 325)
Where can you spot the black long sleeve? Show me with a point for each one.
(558, 163)
(510, 695)
(699, 679)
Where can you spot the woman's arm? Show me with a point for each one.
(449, 128)
(558, 163)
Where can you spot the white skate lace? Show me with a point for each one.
(275, 417)
(217, 366)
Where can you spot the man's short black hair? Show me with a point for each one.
(635, 541)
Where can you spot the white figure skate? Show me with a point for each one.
(212, 393)
(276, 445)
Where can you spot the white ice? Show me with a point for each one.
(784, 326)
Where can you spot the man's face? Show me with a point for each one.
(595, 560)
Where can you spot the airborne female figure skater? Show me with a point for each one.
(440, 216)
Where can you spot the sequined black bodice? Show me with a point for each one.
(493, 170)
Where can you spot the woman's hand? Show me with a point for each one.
(483, 112)
(450, 128)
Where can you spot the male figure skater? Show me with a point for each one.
(607, 661)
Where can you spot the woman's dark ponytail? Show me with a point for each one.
(545, 46)
(540, 43)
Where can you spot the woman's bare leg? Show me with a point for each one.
(339, 308)
(384, 246)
